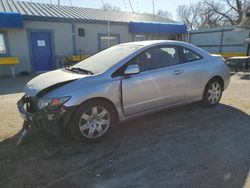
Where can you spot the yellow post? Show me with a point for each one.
(10, 61)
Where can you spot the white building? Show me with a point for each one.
(34, 35)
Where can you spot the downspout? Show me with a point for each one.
(74, 38)
(221, 40)
(248, 46)
(189, 36)
(108, 33)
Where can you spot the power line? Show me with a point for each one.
(130, 4)
(153, 3)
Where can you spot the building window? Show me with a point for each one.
(81, 32)
(106, 41)
(139, 37)
(3, 49)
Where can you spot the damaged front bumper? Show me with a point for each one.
(54, 121)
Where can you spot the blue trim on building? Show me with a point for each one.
(11, 20)
(51, 32)
(157, 27)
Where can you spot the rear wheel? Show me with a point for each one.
(212, 93)
(93, 121)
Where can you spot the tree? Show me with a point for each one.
(211, 13)
(108, 6)
(230, 10)
(164, 14)
(190, 14)
(210, 18)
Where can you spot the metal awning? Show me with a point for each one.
(157, 27)
(10, 20)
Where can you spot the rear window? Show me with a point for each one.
(190, 56)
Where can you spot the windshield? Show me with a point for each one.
(105, 59)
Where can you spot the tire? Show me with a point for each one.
(93, 121)
(212, 93)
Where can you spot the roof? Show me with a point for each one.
(30, 10)
(214, 29)
(153, 42)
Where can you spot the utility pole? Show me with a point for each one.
(103, 4)
(153, 3)
(108, 24)
(58, 2)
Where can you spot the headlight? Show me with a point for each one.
(52, 102)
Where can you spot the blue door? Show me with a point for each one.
(41, 51)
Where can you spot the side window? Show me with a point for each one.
(190, 55)
(157, 57)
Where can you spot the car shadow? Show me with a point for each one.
(189, 146)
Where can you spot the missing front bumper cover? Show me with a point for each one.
(23, 133)
(49, 120)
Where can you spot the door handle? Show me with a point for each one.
(177, 72)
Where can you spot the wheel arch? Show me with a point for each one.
(96, 99)
(217, 77)
(103, 99)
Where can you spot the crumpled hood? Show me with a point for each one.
(43, 81)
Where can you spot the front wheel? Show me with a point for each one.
(212, 93)
(93, 121)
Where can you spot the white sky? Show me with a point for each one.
(138, 5)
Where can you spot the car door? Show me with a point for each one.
(196, 73)
(161, 81)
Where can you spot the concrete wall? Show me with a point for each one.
(18, 47)
(19, 44)
(89, 43)
(62, 34)
(63, 40)
(220, 40)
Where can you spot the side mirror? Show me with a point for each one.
(132, 69)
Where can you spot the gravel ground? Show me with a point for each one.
(189, 146)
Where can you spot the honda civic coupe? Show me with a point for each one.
(122, 82)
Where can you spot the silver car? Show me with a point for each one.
(122, 82)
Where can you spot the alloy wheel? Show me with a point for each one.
(94, 122)
(214, 93)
